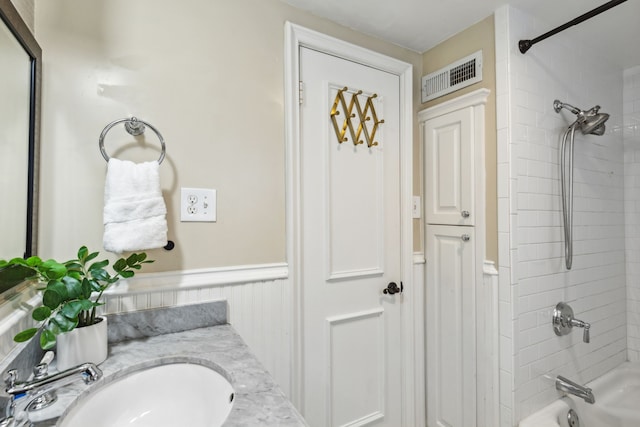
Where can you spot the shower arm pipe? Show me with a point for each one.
(525, 45)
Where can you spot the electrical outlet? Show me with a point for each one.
(197, 205)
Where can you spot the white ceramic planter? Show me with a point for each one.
(87, 344)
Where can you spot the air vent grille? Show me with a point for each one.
(457, 75)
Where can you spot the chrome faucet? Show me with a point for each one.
(568, 386)
(21, 394)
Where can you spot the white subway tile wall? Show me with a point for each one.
(530, 218)
(631, 132)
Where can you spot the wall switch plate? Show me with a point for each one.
(417, 212)
(197, 205)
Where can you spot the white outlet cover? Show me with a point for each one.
(198, 204)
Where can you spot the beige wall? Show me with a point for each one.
(474, 38)
(209, 76)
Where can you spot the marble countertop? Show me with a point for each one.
(258, 400)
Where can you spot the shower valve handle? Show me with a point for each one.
(585, 335)
(580, 324)
(563, 322)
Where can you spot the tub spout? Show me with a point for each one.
(568, 386)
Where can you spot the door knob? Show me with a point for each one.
(465, 237)
(392, 288)
(465, 214)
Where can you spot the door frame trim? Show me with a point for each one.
(297, 36)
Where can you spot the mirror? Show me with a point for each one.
(20, 56)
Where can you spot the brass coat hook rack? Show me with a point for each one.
(364, 115)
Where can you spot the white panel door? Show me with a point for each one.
(448, 145)
(451, 332)
(350, 246)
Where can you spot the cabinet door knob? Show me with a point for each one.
(465, 214)
(465, 237)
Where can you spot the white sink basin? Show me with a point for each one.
(176, 394)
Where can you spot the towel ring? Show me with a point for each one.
(135, 127)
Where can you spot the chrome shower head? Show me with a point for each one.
(591, 122)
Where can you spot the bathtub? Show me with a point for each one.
(617, 404)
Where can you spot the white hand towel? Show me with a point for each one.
(134, 210)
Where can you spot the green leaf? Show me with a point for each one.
(34, 261)
(91, 256)
(100, 275)
(41, 313)
(25, 335)
(132, 260)
(127, 273)
(120, 265)
(51, 299)
(64, 323)
(71, 309)
(96, 286)
(142, 256)
(73, 287)
(99, 265)
(78, 275)
(47, 339)
(52, 269)
(51, 326)
(82, 253)
(60, 288)
(87, 288)
(88, 304)
(73, 265)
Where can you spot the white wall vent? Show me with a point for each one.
(454, 76)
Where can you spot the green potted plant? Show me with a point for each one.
(71, 294)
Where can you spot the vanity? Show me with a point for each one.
(182, 336)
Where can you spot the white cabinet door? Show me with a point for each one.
(449, 168)
(451, 328)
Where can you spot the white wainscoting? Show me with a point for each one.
(259, 308)
(258, 296)
(259, 305)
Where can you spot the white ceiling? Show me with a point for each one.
(421, 24)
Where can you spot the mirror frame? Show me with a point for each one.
(10, 16)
